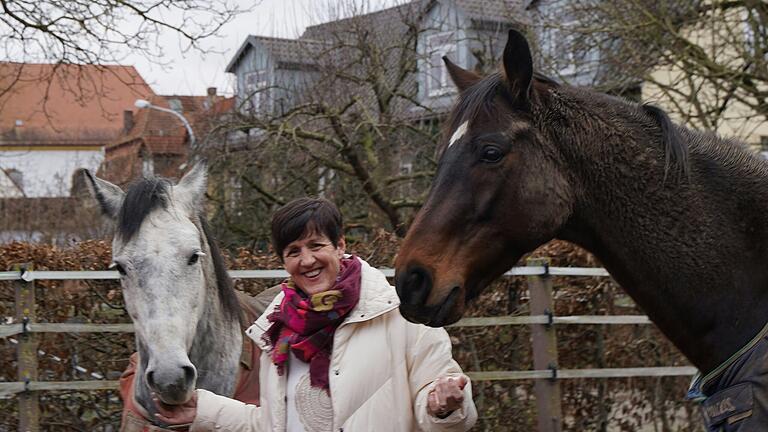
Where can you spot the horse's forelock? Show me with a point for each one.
(480, 98)
(142, 197)
(476, 99)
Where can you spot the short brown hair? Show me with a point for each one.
(303, 216)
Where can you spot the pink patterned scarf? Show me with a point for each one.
(305, 325)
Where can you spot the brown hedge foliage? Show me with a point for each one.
(599, 405)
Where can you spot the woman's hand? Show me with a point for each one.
(176, 415)
(447, 396)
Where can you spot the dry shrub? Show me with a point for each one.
(616, 404)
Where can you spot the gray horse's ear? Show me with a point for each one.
(109, 196)
(518, 67)
(462, 78)
(191, 188)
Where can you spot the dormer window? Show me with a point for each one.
(438, 81)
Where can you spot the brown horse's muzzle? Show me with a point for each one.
(414, 286)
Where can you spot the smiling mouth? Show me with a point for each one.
(312, 273)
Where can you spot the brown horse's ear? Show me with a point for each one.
(518, 67)
(461, 77)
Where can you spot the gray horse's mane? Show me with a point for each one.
(149, 194)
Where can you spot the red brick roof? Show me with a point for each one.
(161, 134)
(65, 104)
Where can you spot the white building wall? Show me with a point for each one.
(48, 173)
(8, 189)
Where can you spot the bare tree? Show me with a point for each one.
(352, 128)
(97, 32)
(704, 61)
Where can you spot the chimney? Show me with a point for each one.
(209, 101)
(127, 121)
(17, 125)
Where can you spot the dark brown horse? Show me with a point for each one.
(679, 218)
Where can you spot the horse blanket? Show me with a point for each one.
(734, 397)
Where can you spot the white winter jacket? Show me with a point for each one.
(382, 369)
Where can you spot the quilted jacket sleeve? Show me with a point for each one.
(219, 413)
(431, 358)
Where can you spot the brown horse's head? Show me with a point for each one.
(499, 192)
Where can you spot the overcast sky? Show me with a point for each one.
(192, 72)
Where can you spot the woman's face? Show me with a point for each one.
(313, 262)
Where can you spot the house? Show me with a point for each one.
(57, 118)
(155, 142)
(358, 102)
(472, 33)
(54, 120)
(272, 72)
(330, 63)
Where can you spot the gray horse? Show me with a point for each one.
(176, 289)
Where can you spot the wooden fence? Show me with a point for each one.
(543, 322)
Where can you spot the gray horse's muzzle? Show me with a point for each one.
(172, 384)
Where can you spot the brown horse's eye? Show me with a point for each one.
(491, 154)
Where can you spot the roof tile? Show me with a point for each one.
(66, 104)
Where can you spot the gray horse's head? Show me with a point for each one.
(157, 249)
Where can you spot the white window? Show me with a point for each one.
(235, 193)
(176, 105)
(147, 165)
(406, 168)
(438, 81)
(755, 33)
(255, 89)
(560, 49)
(324, 181)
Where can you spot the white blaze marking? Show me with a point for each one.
(460, 131)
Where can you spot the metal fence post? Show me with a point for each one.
(547, 391)
(29, 406)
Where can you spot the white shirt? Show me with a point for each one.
(308, 409)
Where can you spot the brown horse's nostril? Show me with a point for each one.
(414, 286)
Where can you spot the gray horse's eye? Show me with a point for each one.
(118, 267)
(195, 257)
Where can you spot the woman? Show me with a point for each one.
(337, 354)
